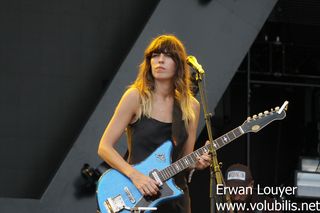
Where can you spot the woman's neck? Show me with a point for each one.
(164, 89)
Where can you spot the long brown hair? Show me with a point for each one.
(144, 82)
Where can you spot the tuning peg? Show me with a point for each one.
(254, 116)
(277, 108)
(266, 112)
(260, 114)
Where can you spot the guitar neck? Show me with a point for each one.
(191, 158)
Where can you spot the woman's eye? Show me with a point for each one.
(154, 55)
(158, 54)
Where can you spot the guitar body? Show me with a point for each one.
(114, 190)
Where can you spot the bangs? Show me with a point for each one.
(164, 44)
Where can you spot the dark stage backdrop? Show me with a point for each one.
(56, 60)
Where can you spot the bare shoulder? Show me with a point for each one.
(132, 94)
(195, 104)
(130, 100)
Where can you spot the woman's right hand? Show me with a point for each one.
(146, 185)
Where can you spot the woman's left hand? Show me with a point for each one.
(204, 160)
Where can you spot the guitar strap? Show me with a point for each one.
(179, 132)
(179, 137)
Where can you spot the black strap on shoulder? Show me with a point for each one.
(179, 132)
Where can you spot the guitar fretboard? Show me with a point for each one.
(191, 158)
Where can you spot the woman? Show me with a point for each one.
(157, 107)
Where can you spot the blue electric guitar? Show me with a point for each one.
(116, 193)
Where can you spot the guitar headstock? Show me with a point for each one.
(257, 122)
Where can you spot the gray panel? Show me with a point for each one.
(218, 34)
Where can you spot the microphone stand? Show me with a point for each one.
(215, 173)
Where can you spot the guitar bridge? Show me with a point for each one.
(115, 204)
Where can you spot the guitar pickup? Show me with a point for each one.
(115, 204)
(129, 194)
(157, 178)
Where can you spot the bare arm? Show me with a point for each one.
(124, 114)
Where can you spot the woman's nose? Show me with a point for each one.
(161, 57)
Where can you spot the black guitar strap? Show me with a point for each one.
(179, 137)
(179, 132)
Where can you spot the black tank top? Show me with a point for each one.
(147, 134)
